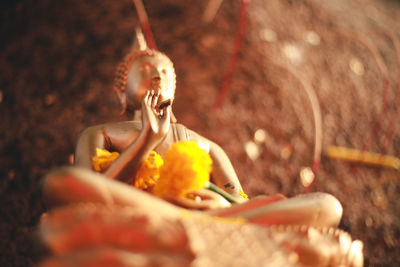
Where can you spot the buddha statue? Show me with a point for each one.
(100, 219)
(146, 85)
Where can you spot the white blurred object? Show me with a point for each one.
(306, 176)
(312, 38)
(356, 66)
(252, 150)
(293, 53)
(260, 136)
(268, 35)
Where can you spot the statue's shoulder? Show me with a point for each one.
(112, 127)
(123, 125)
(180, 132)
(188, 133)
(184, 133)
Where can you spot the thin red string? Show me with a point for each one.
(394, 112)
(230, 69)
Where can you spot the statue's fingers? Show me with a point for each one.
(86, 226)
(211, 198)
(145, 99)
(190, 203)
(150, 97)
(147, 95)
(206, 194)
(154, 99)
(157, 92)
(166, 114)
(108, 256)
(196, 203)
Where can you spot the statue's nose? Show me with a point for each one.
(155, 76)
(155, 81)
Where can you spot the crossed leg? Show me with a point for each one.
(72, 184)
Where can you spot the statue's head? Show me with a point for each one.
(144, 69)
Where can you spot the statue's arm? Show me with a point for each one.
(223, 173)
(89, 139)
(154, 129)
(111, 136)
(128, 163)
(104, 136)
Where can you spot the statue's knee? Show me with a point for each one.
(330, 209)
(52, 187)
(65, 185)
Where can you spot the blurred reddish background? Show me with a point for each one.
(58, 60)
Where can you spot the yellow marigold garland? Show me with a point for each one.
(186, 169)
(243, 195)
(149, 172)
(103, 159)
(147, 175)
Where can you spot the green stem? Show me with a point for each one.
(218, 190)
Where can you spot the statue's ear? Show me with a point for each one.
(122, 100)
(139, 42)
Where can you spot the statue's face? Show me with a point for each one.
(150, 73)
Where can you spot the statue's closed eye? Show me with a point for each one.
(144, 68)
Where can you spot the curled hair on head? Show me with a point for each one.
(121, 76)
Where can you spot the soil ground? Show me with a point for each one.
(58, 60)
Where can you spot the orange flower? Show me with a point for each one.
(186, 169)
(149, 172)
(103, 159)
